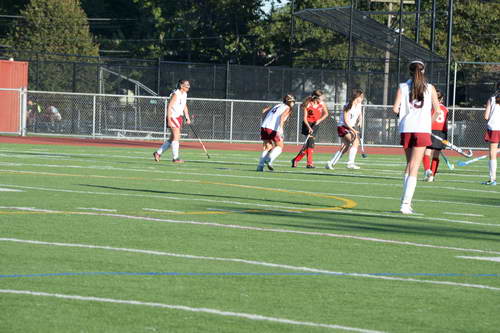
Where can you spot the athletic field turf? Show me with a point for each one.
(99, 239)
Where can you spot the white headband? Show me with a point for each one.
(417, 62)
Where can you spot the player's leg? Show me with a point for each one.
(346, 142)
(310, 151)
(414, 157)
(353, 150)
(266, 148)
(435, 162)
(492, 165)
(426, 161)
(176, 136)
(163, 147)
(274, 153)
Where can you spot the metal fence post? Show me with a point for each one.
(165, 119)
(22, 112)
(93, 115)
(453, 106)
(231, 123)
(298, 122)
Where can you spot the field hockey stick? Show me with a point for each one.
(450, 165)
(451, 146)
(199, 140)
(462, 163)
(362, 142)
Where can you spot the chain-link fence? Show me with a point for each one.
(142, 117)
(474, 82)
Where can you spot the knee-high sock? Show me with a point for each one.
(409, 190)
(405, 178)
(493, 169)
(164, 147)
(426, 161)
(263, 157)
(300, 155)
(336, 157)
(275, 152)
(435, 165)
(175, 149)
(352, 154)
(310, 152)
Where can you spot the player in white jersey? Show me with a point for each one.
(176, 109)
(349, 118)
(271, 131)
(414, 102)
(492, 135)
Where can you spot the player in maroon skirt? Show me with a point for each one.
(315, 111)
(439, 128)
(492, 135)
(414, 102)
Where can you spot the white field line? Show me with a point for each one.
(9, 190)
(162, 210)
(251, 262)
(463, 214)
(497, 259)
(98, 209)
(280, 208)
(242, 315)
(278, 230)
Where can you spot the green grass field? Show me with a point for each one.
(99, 239)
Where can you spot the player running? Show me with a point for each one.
(315, 111)
(414, 102)
(176, 109)
(349, 118)
(271, 131)
(439, 128)
(492, 135)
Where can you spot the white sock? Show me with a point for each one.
(164, 147)
(175, 150)
(336, 158)
(263, 157)
(405, 178)
(275, 152)
(352, 154)
(409, 189)
(493, 170)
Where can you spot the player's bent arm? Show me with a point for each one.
(264, 110)
(435, 103)
(487, 110)
(324, 113)
(186, 114)
(397, 102)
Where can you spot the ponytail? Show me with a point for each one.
(418, 82)
(355, 94)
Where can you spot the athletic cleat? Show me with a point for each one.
(430, 179)
(156, 156)
(269, 166)
(406, 209)
(490, 182)
(427, 175)
(352, 166)
(310, 166)
(177, 160)
(294, 163)
(329, 166)
(260, 168)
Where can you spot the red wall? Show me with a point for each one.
(13, 74)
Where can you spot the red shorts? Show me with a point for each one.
(492, 136)
(269, 135)
(409, 140)
(342, 131)
(177, 122)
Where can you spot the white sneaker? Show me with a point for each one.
(428, 175)
(406, 209)
(430, 179)
(352, 166)
(329, 165)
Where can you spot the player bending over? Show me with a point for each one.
(315, 111)
(176, 109)
(439, 128)
(271, 131)
(349, 118)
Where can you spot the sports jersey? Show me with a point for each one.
(272, 119)
(180, 103)
(352, 116)
(494, 119)
(415, 116)
(314, 112)
(441, 122)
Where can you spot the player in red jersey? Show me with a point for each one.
(439, 128)
(315, 112)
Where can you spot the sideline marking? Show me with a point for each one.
(162, 210)
(496, 259)
(98, 209)
(286, 231)
(9, 190)
(187, 308)
(463, 214)
(252, 262)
